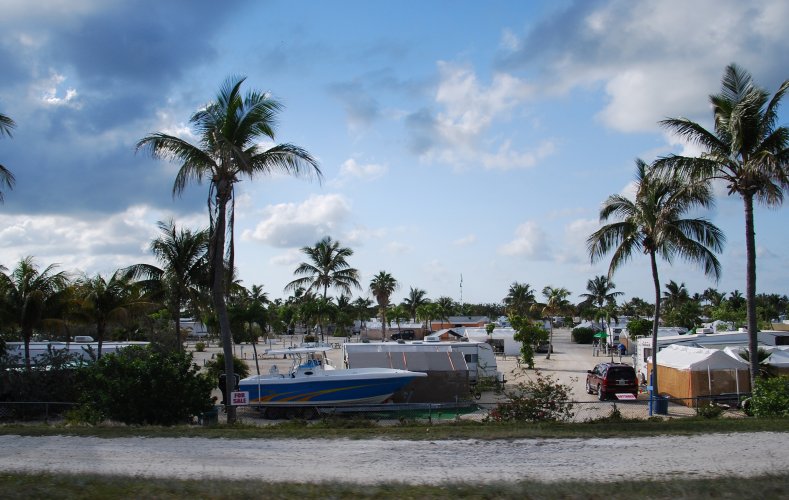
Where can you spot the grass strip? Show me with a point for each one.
(57, 486)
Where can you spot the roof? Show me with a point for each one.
(469, 319)
(698, 358)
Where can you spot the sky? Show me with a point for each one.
(464, 145)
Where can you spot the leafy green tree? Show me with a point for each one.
(138, 385)
(25, 293)
(382, 286)
(231, 130)
(529, 335)
(747, 152)
(6, 177)
(639, 327)
(654, 224)
(770, 397)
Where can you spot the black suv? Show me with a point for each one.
(403, 335)
(607, 379)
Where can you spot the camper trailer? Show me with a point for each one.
(478, 356)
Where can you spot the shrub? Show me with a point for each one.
(138, 385)
(770, 397)
(583, 335)
(709, 411)
(217, 366)
(310, 338)
(538, 400)
(639, 328)
(200, 346)
(530, 335)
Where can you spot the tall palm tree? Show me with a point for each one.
(6, 177)
(327, 268)
(416, 297)
(748, 153)
(600, 291)
(362, 307)
(519, 299)
(654, 224)
(382, 286)
(675, 295)
(231, 130)
(25, 293)
(183, 256)
(555, 303)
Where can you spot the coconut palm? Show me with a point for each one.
(519, 299)
(416, 297)
(555, 303)
(327, 268)
(183, 256)
(6, 177)
(748, 153)
(654, 224)
(25, 292)
(600, 292)
(675, 295)
(382, 286)
(231, 132)
(103, 301)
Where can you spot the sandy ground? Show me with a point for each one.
(380, 460)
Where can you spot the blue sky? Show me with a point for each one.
(456, 138)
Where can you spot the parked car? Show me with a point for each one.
(403, 335)
(607, 379)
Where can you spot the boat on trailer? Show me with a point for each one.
(312, 383)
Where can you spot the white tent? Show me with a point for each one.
(689, 373)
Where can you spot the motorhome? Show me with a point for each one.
(84, 349)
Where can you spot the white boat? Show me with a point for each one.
(312, 381)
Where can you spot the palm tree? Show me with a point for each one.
(416, 297)
(519, 299)
(747, 152)
(555, 303)
(362, 307)
(328, 268)
(653, 224)
(103, 301)
(6, 177)
(26, 292)
(183, 255)
(675, 295)
(601, 292)
(382, 287)
(231, 130)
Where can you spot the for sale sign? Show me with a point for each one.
(239, 398)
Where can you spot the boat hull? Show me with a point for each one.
(327, 388)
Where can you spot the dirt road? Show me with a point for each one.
(420, 462)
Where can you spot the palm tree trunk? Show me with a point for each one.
(750, 287)
(218, 297)
(550, 340)
(656, 318)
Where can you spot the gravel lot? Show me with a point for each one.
(379, 460)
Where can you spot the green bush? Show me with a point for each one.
(639, 328)
(770, 397)
(540, 400)
(200, 346)
(583, 335)
(138, 385)
(217, 366)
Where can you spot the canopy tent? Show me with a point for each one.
(688, 373)
(778, 361)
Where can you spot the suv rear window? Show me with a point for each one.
(621, 372)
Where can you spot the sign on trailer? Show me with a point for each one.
(625, 395)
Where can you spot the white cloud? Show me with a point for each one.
(51, 92)
(290, 224)
(465, 240)
(353, 170)
(530, 242)
(573, 248)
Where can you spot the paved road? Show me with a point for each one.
(420, 462)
